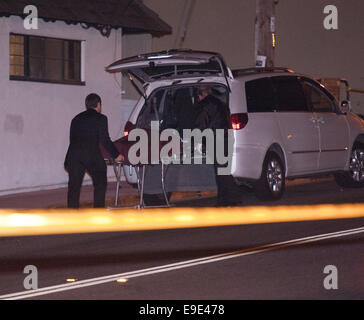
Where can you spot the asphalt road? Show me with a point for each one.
(267, 261)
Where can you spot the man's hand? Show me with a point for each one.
(120, 158)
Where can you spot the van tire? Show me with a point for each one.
(271, 184)
(354, 178)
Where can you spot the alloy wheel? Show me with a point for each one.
(274, 175)
(356, 166)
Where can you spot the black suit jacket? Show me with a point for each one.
(214, 114)
(88, 130)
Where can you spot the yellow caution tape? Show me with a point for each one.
(63, 221)
(355, 90)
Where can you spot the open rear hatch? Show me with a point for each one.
(173, 64)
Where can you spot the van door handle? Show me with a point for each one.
(320, 120)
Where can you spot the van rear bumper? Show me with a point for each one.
(247, 161)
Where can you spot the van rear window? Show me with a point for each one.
(162, 72)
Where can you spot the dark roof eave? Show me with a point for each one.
(126, 30)
(136, 17)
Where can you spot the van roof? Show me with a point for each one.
(248, 71)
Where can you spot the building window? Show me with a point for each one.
(34, 58)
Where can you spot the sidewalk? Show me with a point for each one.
(57, 198)
(128, 196)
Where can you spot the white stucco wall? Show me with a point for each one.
(35, 117)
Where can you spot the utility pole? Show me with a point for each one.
(182, 32)
(265, 38)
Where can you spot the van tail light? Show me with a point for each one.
(239, 120)
(128, 127)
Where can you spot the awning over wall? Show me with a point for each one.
(131, 15)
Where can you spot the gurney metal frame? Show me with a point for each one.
(140, 171)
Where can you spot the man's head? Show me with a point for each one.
(93, 101)
(203, 91)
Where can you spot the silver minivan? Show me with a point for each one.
(286, 125)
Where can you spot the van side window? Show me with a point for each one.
(259, 95)
(317, 99)
(289, 94)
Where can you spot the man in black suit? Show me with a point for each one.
(88, 130)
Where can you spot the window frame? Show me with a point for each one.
(27, 77)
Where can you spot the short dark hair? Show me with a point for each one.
(204, 89)
(92, 100)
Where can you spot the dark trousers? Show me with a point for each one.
(76, 172)
(227, 191)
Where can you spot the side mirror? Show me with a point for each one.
(345, 106)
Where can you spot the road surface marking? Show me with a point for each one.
(177, 265)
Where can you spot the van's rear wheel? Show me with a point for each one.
(271, 184)
(354, 178)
